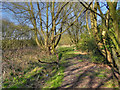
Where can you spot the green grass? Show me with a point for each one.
(33, 70)
(18, 82)
(80, 60)
(67, 86)
(111, 84)
(56, 80)
(72, 52)
(53, 82)
(101, 76)
(64, 49)
(55, 77)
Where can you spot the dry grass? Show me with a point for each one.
(16, 62)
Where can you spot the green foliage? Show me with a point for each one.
(60, 56)
(97, 59)
(65, 40)
(67, 52)
(88, 44)
(64, 49)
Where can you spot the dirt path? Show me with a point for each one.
(83, 74)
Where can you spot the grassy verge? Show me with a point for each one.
(18, 81)
(56, 80)
(38, 71)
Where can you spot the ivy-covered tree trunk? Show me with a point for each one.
(108, 40)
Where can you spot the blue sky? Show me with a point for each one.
(9, 15)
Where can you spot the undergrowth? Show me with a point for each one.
(38, 75)
(34, 71)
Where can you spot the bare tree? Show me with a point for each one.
(47, 19)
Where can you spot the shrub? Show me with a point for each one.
(88, 44)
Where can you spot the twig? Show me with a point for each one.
(49, 62)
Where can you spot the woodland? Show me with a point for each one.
(61, 44)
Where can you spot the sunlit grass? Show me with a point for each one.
(80, 60)
(72, 52)
(53, 77)
(111, 84)
(20, 81)
(56, 80)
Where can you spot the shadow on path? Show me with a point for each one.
(83, 74)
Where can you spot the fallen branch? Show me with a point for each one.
(49, 62)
